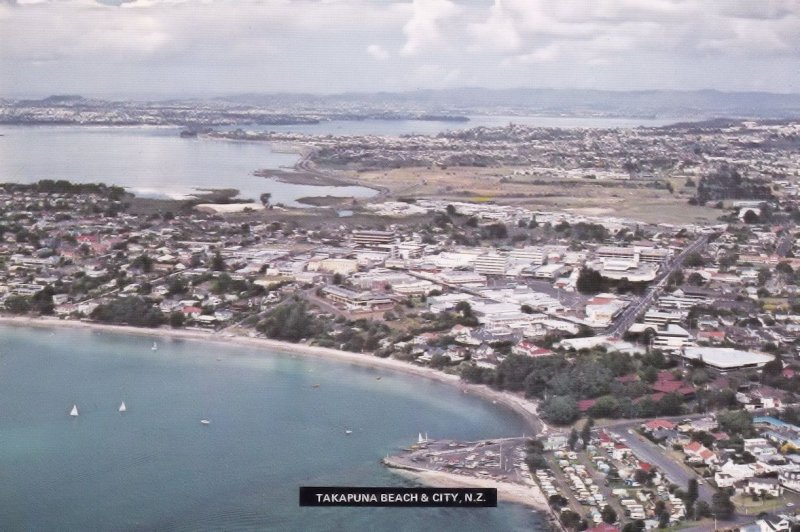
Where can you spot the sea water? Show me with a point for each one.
(156, 467)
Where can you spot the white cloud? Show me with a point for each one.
(319, 45)
(498, 31)
(378, 52)
(422, 29)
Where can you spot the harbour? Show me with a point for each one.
(157, 466)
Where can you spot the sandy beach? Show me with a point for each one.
(506, 491)
(524, 408)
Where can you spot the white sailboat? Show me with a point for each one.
(419, 438)
(122, 407)
(74, 411)
(155, 347)
(205, 422)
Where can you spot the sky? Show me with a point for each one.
(210, 47)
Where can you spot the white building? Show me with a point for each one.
(672, 338)
(491, 264)
(726, 358)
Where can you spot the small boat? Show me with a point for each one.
(205, 422)
(348, 431)
(377, 378)
(122, 407)
(315, 385)
(74, 411)
(155, 347)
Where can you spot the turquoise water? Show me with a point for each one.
(156, 467)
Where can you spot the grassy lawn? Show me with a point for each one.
(747, 504)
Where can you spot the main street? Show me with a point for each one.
(630, 314)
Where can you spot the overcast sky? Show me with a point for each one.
(172, 47)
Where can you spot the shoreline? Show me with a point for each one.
(525, 409)
(529, 496)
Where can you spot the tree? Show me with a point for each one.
(606, 406)
(176, 319)
(722, 506)
(337, 279)
(217, 262)
(784, 268)
(676, 277)
(560, 410)
(663, 519)
(176, 285)
(702, 509)
(641, 476)
(608, 515)
(634, 526)
(695, 279)
(772, 368)
(586, 431)
(495, 231)
(750, 217)
(464, 308)
(694, 260)
(134, 311)
(764, 275)
(439, 361)
(670, 405)
(691, 490)
(735, 422)
(573, 439)
(17, 304)
(265, 197)
(570, 520)
(589, 281)
(42, 301)
(143, 262)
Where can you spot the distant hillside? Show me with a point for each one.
(694, 104)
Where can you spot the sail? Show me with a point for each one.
(122, 407)
(74, 412)
(419, 439)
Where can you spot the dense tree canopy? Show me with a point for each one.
(135, 311)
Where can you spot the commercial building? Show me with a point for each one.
(533, 255)
(352, 300)
(726, 358)
(372, 238)
(490, 264)
(634, 254)
(672, 338)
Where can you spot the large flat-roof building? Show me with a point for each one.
(726, 358)
(372, 238)
(356, 300)
(634, 254)
(491, 265)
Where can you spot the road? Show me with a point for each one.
(646, 450)
(630, 314)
